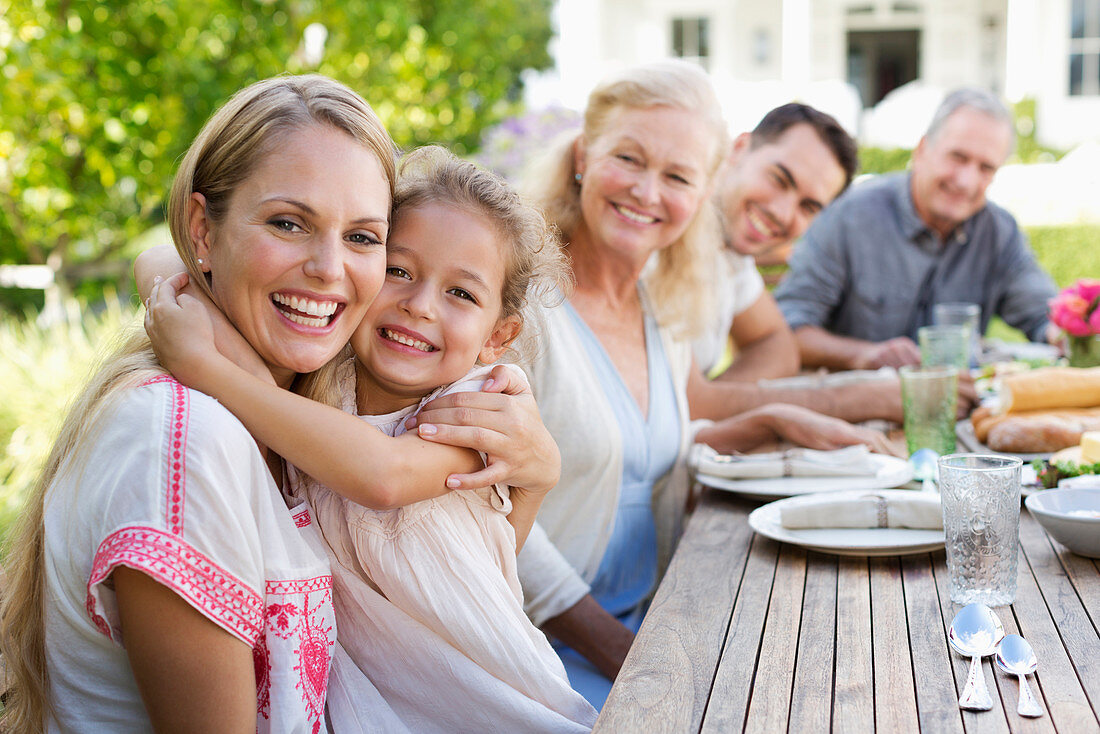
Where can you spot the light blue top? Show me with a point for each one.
(628, 571)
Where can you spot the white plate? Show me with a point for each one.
(892, 472)
(847, 541)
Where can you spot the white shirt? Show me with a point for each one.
(737, 285)
(172, 485)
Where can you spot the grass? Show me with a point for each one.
(42, 369)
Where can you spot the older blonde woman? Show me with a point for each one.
(612, 375)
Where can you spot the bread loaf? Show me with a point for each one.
(1038, 432)
(1051, 388)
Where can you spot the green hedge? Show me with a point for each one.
(1068, 252)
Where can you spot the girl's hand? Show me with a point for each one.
(181, 330)
(502, 422)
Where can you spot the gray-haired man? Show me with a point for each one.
(871, 267)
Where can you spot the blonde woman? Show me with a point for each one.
(612, 374)
(159, 579)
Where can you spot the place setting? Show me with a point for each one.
(797, 471)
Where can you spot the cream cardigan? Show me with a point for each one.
(565, 547)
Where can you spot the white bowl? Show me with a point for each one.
(1071, 516)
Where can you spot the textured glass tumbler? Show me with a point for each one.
(962, 314)
(946, 344)
(928, 398)
(981, 526)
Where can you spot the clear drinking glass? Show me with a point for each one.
(944, 344)
(963, 314)
(929, 396)
(981, 525)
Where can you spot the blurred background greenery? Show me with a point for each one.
(99, 100)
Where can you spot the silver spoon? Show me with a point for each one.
(975, 632)
(925, 470)
(1015, 656)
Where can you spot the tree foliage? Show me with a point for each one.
(99, 100)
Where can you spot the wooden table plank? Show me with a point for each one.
(1029, 605)
(667, 675)
(994, 721)
(733, 682)
(937, 699)
(746, 634)
(1081, 572)
(894, 695)
(769, 708)
(853, 685)
(811, 695)
(1055, 623)
(1009, 691)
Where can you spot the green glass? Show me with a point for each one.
(947, 344)
(929, 397)
(963, 314)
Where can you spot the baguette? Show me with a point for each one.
(1051, 388)
(1039, 432)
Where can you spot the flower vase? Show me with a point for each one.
(1084, 351)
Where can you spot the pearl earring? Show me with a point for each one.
(577, 177)
(200, 261)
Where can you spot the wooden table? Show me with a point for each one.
(748, 634)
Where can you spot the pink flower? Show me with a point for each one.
(1076, 310)
(1088, 289)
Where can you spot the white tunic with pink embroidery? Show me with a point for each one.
(174, 486)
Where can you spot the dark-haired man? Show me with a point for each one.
(776, 180)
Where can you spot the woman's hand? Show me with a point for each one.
(804, 427)
(502, 421)
(800, 426)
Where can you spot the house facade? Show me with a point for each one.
(847, 56)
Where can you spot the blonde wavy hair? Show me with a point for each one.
(536, 272)
(679, 283)
(230, 145)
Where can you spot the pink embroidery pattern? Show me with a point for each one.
(212, 590)
(300, 612)
(176, 469)
(301, 518)
(261, 658)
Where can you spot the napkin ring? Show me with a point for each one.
(788, 469)
(882, 510)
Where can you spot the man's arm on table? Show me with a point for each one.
(821, 348)
(765, 345)
(866, 400)
(594, 633)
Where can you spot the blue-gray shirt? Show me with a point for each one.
(870, 268)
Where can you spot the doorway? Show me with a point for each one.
(880, 61)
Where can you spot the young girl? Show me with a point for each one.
(427, 595)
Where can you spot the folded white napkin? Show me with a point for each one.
(1084, 481)
(871, 510)
(852, 461)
